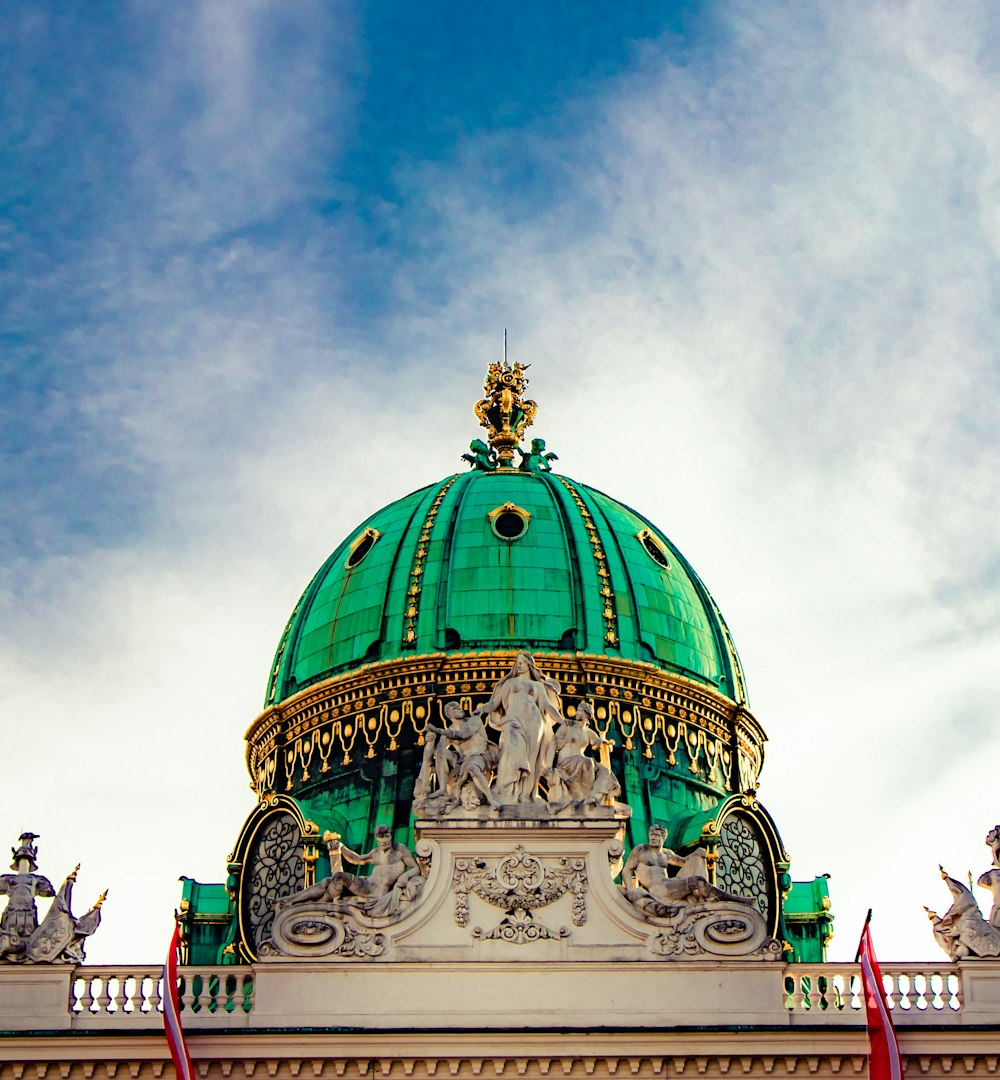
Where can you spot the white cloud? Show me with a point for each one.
(761, 310)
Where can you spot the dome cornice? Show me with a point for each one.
(373, 712)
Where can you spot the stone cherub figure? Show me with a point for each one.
(394, 876)
(962, 931)
(574, 777)
(59, 936)
(649, 888)
(465, 757)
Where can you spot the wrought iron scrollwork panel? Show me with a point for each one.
(276, 869)
(742, 866)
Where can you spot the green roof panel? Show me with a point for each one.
(439, 578)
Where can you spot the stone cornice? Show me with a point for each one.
(750, 1052)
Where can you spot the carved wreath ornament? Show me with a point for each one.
(519, 883)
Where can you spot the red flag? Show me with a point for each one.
(171, 1011)
(884, 1062)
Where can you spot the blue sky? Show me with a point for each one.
(199, 146)
(255, 256)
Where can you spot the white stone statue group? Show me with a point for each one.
(538, 744)
(59, 936)
(962, 931)
(539, 768)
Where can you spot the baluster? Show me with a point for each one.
(206, 996)
(87, 994)
(140, 1001)
(793, 992)
(814, 994)
(156, 990)
(103, 996)
(116, 993)
(187, 992)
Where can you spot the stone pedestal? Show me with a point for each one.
(35, 997)
(980, 991)
(531, 995)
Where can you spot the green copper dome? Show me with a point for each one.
(505, 560)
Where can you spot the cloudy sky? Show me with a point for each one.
(254, 258)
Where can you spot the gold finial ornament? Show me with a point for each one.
(503, 412)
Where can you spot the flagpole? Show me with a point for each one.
(884, 1059)
(172, 1027)
(868, 919)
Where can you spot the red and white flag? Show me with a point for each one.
(171, 1011)
(884, 1062)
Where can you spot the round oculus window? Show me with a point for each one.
(360, 548)
(509, 522)
(654, 548)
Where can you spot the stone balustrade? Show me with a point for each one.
(366, 997)
(217, 994)
(916, 993)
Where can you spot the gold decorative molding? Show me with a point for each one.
(414, 588)
(279, 655)
(610, 610)
(370, 712)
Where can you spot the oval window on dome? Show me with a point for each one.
(361, 546)
(654, 547)
(509, 522)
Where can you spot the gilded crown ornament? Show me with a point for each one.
(503, 412)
